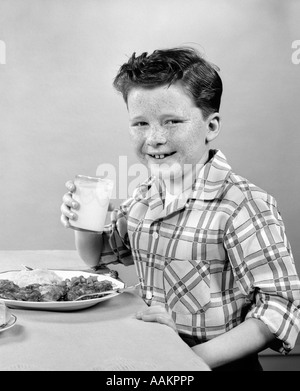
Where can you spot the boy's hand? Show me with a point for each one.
(157, 313)
(68, 203)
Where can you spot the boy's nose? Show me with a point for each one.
(156, 136)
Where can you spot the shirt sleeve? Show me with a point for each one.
(116, 245)
(264, 269)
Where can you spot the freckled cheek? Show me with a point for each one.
(137, 141)
(188, 148)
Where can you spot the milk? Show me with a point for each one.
(93, 195)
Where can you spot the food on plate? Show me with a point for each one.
(79, 286)
(52, 292)
(24, 278)
(58, 290)
(5, 314)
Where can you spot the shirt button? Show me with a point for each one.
(155, 235)
(148, 295)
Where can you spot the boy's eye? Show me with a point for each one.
(172, 122)
(141, 123)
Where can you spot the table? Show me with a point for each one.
(106, 337)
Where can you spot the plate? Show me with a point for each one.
(62, 305)
(9, 324)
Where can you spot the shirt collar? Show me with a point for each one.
(207, 186)
(211, 178)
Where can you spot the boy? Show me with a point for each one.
(209, 247)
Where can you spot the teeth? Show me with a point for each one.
(159, 156)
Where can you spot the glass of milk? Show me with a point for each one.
(93, 195)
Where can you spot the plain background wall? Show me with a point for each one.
(59, 115)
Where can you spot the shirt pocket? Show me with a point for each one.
(187, 286)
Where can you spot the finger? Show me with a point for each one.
(65, 221)
(154, 309)
(159, 318)
(151, 312)
(65, 210)
(70, 186)
(69, 201)
(146, 317)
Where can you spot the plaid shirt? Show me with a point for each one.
(216, 255)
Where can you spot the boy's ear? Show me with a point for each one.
(213, 127)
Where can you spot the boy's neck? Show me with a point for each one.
(179, 185)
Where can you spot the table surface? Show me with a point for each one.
(105, 337)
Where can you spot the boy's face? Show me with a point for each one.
(167, 130)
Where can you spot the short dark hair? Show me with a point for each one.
(199, 77)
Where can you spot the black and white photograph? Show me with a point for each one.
(149, 168)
